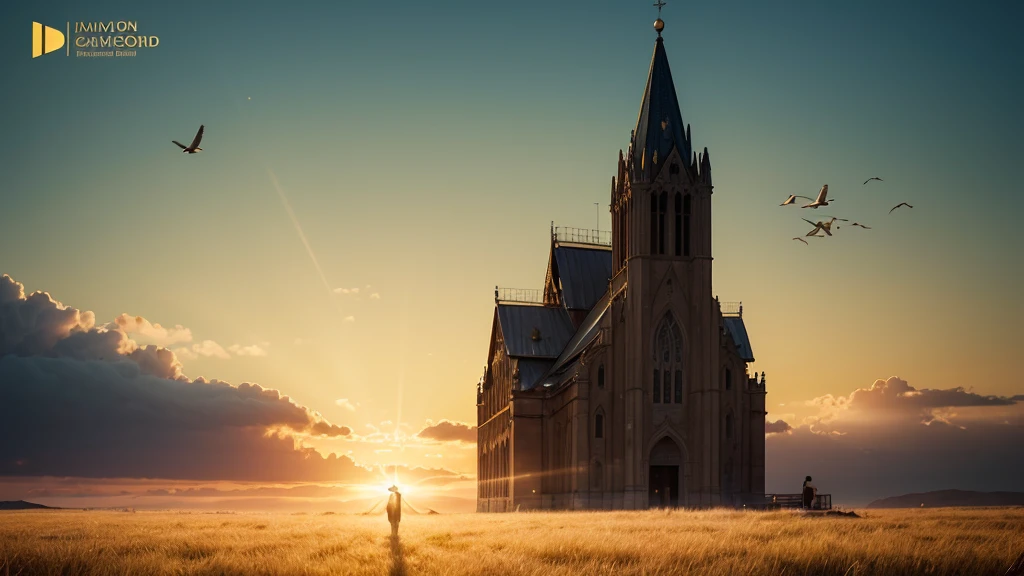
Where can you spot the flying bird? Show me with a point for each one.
(821, 199)
(792, 198)
(818, 226)
(873, 178)
(824, 226)
(801, 239)
(861, 225)
(900, 204)
(194, 146)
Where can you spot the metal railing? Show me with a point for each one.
(528, 295)
(583, 236)
(732, 308)
(777, 501)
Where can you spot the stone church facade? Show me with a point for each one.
(623, 384)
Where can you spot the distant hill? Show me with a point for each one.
(947, 498)
(22, 505)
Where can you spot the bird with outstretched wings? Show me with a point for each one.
(900, 204)
(194, 146)
(792, 198)
(821, 200)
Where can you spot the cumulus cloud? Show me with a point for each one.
(891, 438)
(34, 324)
(76, 400)
(210, 348)
(346, 290)
(143, 329)
(896, 398)
(251, 350)
(375, 296)
(346, 404)
(776, 427)
(448, 431)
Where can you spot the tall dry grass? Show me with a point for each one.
(890, 542)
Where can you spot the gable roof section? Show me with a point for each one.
(518, 323)
(583, 337)
(530, 371)
(738, 331)
(583, 274)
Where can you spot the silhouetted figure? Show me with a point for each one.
(809, 492)
(394, 509)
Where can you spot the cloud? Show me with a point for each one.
(152, 333)
(448, 431)
(251, 350)
(346, 290)
(375, 296)
(34, 324)
(206, 348)
(210, 348)
(777, 427)
(350, 318)
(895, 397)
(891, 438)
(344, 403)
(76, 400)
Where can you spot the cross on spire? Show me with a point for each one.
(659, 24)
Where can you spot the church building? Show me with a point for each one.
(623, 383)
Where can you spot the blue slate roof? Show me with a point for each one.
(738, 331)
(583, 337)
(530, 371)
(660, 124)
(552, 324)
(583, 274)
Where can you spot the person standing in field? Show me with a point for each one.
(809, 492)
(394, 509)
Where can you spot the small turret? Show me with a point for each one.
(705, 169)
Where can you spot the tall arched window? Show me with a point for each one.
(728, 379)
(654, 223)
(679, 224)
(668, 362)
(728, 426)
(686, 225)
(662, 211)
(600, 376)
(599, 425)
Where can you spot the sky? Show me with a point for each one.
(371, 171)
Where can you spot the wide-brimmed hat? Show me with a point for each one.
(393, 489)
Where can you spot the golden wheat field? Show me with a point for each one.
(890, 542)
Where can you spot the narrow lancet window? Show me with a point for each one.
(686, 225)
(668, 362)
(678, 228)
(662, 210)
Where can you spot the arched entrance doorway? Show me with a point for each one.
(664, 488)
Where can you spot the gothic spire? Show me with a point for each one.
(659, 127)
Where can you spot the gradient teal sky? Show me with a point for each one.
(426, 147)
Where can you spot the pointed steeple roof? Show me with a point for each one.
(659, 127)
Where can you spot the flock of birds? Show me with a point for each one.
(822, 199)
(826, 225)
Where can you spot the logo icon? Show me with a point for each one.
(45, 39)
